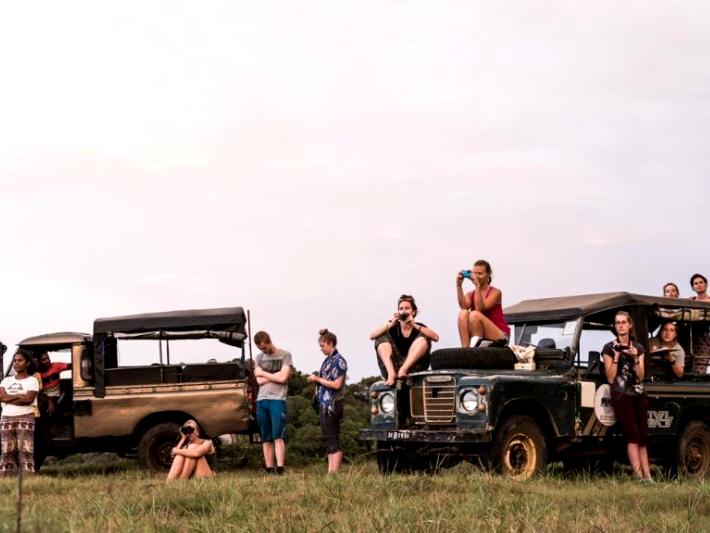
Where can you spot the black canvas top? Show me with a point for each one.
(570, 307)
(232, 319)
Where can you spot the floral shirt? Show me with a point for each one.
(332, 368)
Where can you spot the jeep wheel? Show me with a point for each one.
(480, 358)
(155, 445)
(693, 452)
(519, 450)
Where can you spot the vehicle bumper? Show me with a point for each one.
(425, 436)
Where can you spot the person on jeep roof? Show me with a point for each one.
(670, 290)
(401, 343)
(625, 367)
(699, 330)
(481, 310)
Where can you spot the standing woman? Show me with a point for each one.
(625, 367)
(481, 310)
(18, 395)
(330, 394)
(401, 343)
(699, 330)
(194, 456)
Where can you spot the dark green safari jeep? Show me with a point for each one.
(474, 404)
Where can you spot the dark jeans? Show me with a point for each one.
(632, 412)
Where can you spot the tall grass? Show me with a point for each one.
(122, 498)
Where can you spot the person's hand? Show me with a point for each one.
(313, 378)
(51, 408)
(410, 320)
(173, 452)
(633, 352)
(459, 279)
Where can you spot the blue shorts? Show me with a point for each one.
(271, 417)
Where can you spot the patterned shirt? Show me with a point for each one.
(332, 368)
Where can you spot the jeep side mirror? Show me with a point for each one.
(87, 368)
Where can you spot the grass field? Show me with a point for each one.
(112, 495)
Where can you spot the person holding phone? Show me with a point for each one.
(625, 367)
(194, 456)
(403, 345)
(481, 310)
(330, 395)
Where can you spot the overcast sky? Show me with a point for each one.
(311, 161)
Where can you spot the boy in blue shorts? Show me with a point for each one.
(272, 371)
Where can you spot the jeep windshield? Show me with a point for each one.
(555, 335)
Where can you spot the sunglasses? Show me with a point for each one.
(187, 430)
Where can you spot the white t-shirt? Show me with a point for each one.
(12, 385)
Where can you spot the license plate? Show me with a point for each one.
(398, 435)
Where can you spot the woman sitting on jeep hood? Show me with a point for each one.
(194, 456)
(401, 343)
(481, 310)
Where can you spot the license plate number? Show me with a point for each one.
(398, 435)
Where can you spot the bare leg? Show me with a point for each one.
(280, 446)
(464, 331)
(384, 352)
(635, 459)
(268, 449)
(481, 326)
(176, 467)
(188, 468)
(645, 467)
(334, 462)
(203, 469)
(416, 351)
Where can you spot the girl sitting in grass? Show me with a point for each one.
(194, 456)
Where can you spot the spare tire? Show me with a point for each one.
(499, 358)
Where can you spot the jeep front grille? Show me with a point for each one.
(434, 400)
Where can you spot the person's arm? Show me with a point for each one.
(24, 399)
(195, 451)
(381, 330)
(486, 304)
(5, 397)
(640, 366)
(335, 384)
(611, 362)
(676, 365)
(427, 332)
(464, 301)
(282, 375)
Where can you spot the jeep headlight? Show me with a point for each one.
(387, 402)
(469, 401)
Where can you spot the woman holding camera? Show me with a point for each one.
(401, 343)
(330, 395)
(481, 310)
(194, 456)
(624, 366)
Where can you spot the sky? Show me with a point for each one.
(311, 161)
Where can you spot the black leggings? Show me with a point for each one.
(330, 427)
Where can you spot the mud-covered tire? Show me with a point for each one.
(481, 358)
(693, 450)
(155, 445)
(520, 450)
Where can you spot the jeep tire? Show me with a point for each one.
(481, 358)
(519, 450)
(693, 450)
(155, 445)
